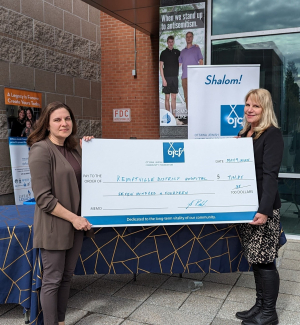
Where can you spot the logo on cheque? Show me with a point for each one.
(173, 152)
(231, 119)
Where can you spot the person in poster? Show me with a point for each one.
(190, 55)
(177, 20)
(169, 68)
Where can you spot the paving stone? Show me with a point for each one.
(105, 287)
(194, 276)
(80, 282)
(152, 314)
(289, 275)
(292, 245)
(289, 287)
(6, 307)
(222, 321)
(129, 322)
(96, 319)
(197, 304)
(225, 278)
(290, 264)
(176, 284)
(242, 295)
(98, 303)
(214, 290)
(288, 317)
(230, 308)
(292, 255)
(246, 280)
(288, 302)
(135, 292)
(150, 279)
(167, 298)
(125, 278)
(73, 315)
(14, 316)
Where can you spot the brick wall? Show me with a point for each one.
(122, 90)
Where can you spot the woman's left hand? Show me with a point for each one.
(259, 219)
(86, 138)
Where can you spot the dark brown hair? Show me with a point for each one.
(41, 132)
(170, 37)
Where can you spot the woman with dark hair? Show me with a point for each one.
(19, 123)
(55, 167)
(260, 238)
(30, 116)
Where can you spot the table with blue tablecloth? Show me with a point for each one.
(152, 249)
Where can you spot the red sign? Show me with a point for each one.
(122, 115)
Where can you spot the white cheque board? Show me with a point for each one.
(159, 182)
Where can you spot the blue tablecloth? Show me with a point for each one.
(155, 249)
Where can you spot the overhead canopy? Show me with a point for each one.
(140, 14)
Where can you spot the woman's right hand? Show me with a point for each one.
(81, 223)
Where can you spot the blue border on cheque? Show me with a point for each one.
(221, 217)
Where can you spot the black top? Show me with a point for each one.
(268, 151)
(17, 128)
(170, 60)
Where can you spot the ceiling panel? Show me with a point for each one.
(141, 14)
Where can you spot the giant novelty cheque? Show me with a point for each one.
(158, 182)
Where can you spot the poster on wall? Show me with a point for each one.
(216, 98)
(22, 112)
(181, 43)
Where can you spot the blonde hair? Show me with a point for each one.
(268, 118)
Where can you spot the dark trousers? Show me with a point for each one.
(58, 269)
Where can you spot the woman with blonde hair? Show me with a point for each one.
(260, 238)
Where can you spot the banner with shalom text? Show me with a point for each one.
(176, 21)
(217, 98)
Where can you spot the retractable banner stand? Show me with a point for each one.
(217, 98)
(20, 169)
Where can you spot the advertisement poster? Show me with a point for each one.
(20, 170)
(22, 111)
(182, 27)
(217, 98)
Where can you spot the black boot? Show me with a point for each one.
(268, 315)
(244, 315)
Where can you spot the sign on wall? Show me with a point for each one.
(217, 97)
(22, 111)
(177, 21)
(121, 114)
